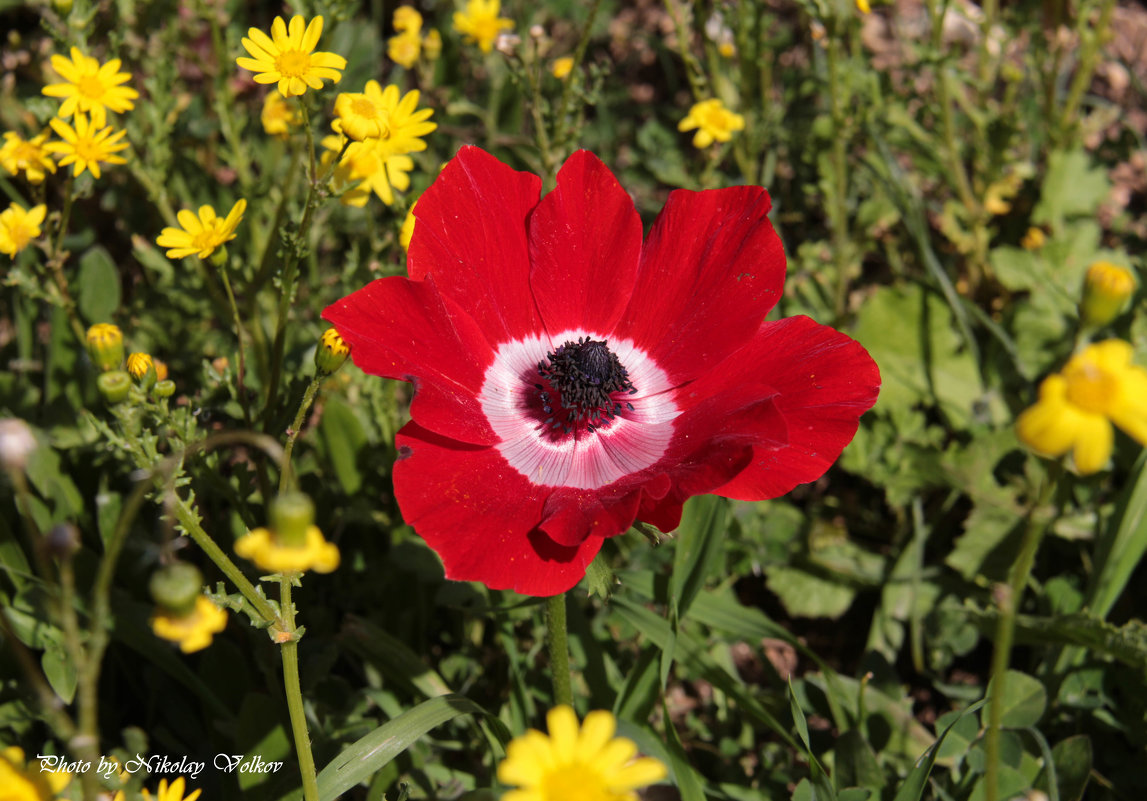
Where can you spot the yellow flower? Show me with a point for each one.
(404, 48)
(406, 19)
(714, 123)
(1098, 386)
(28, 156)
(562, 67)
(20, 782)
(863, 6)
(432, 44)
(200, 235)
(367, 167)
(288, 57)
(172, 792)
(85, 147)
(263, 548)
(279, 116)
(407, 232)
(1033, 239)
(18, 227)
(590, 764)
(90, 88)
(193, 631)
(480, 22)
(382, 114)
(1106, 290)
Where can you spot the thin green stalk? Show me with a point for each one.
(557, 643)
(56, 257)
(286, 475)
(1088, 60)
(560, 132)
(838, 203)
(290, 650)
(1009, 597)
(692, 69)
(223, 104)
(239, 334)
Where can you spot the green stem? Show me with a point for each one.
(1088, 60)
(838, 203)
(286, 476)
(186, 517)
(290, 649)
(560, 132)
(693, 69)
(239, 334)
(1009, 597)
(557, 643)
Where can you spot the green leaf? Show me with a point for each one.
(1071, 187)
(684, 775)
(343, 438)
(358, 762)
(60, 671)
(822, 787)
(700, 538)
(856, 764)
(600, 578)
(1072, 760)
(261, 734)
(806, 595)
(98, 282)
(1025, 700)
(912, 788)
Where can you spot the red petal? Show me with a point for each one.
(570, 516)
(471, 238)
(585, 241)
(398, 328)
(824, 380)
(478, 514)
(711, 269)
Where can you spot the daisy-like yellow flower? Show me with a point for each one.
(85, 147)
(90, 88)
(202, 234)
(406, 19)
(562, 67)
(714, 123)
(279, 116)
(193, 631)
(589, 764)
(28, 156)
(22, 782)
(265, 549)
(863, 7)
(1033, 239)
(383, 114)
(404, 48)
(19, 226)
(367, 167)
(480, 23)
(288, 57)
(1098, 386)
(172, 792)
(432, 44)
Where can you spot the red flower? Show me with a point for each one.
(570, 379)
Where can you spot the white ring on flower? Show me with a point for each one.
(585, 460)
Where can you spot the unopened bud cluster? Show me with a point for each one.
(117, 378)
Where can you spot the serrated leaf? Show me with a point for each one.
(806, 595)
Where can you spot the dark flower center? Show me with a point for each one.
(584, 376)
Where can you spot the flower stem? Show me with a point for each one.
(286, 476)
(1009, 596)
(838, 203)
(242, 350)
(557, 643)
(290, 650)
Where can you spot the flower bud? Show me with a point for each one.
(105, 346)
(175, 587)
(1106, 290)
(16, 443)
(331, 352)
(291, 514)
(1033, 239)
(142, 369)
(164, 388)
(62, 540)
(114, 386)
(63, 7)
(562, 67)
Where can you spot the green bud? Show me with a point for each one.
(291, 514)
(175, 587)
(114, 386)
(164, 388)
(218, 258)
(1106, 290)
(331, 353)
(105, 346)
